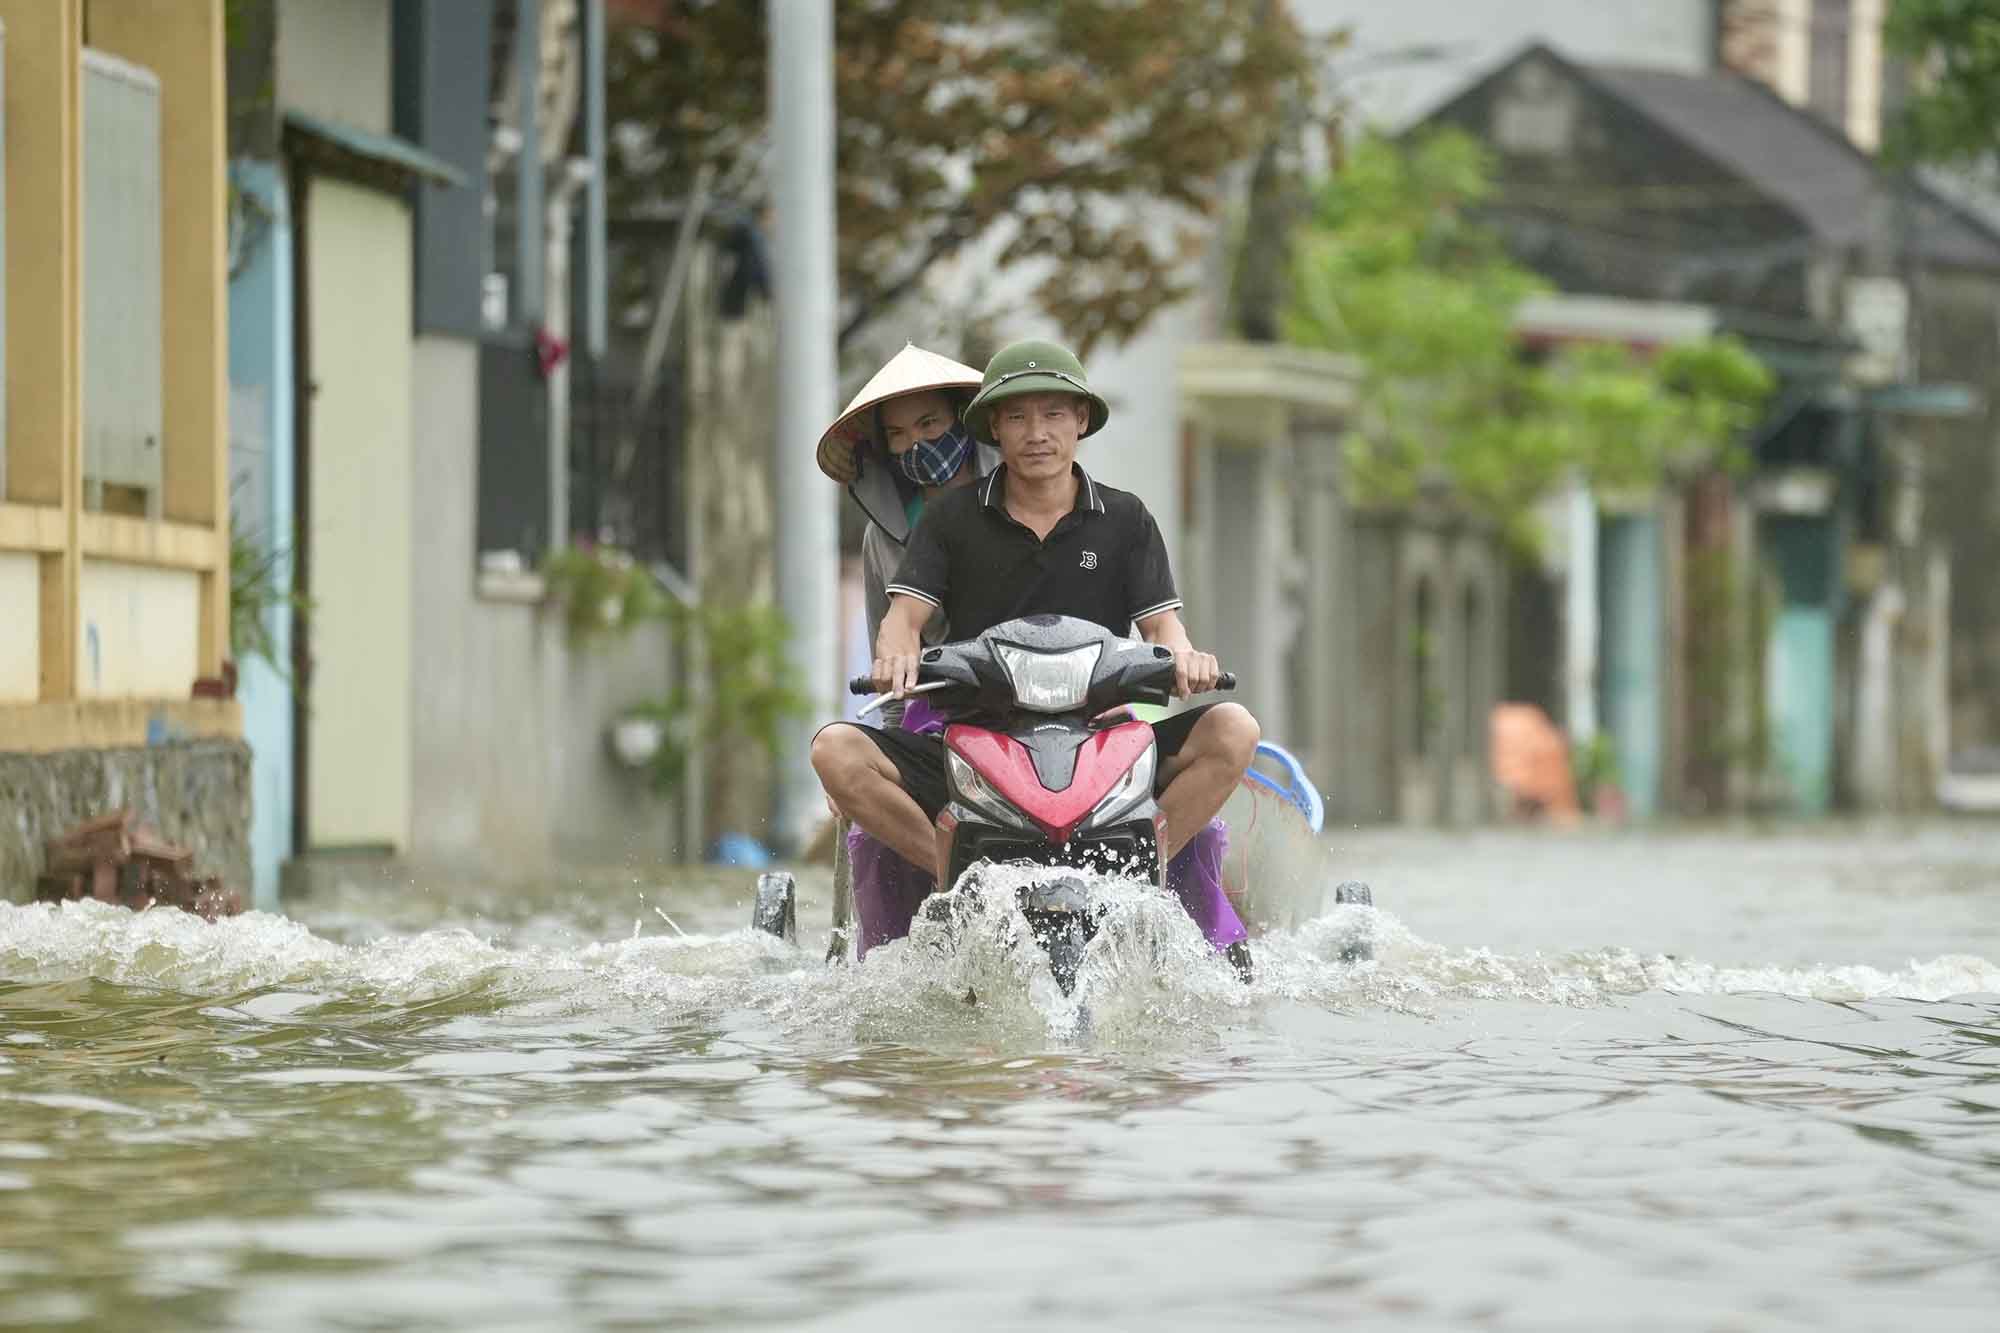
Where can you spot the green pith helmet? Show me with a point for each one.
(1032, 366)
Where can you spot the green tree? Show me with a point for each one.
(1093, 135)
(1954, 113)
(1396, 270)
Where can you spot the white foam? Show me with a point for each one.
(1148, 976)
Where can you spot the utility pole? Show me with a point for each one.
(808, 534)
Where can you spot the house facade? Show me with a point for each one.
(1818, 579)
(114, 484)
(402, 347)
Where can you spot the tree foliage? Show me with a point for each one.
(1953, 115)
(1396, 270)
(1093, 134)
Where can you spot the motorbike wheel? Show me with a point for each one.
(774, 911)
(1063, 936)
(1360, 947)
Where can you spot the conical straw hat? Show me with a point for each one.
(911, 370)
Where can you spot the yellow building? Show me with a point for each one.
(114, 485)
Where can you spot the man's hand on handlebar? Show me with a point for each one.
(1195, 673)
(897, 644)
(896, 675)
(896, 649)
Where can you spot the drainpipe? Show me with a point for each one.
(595, 334)
(1580, 615)
(808, 551)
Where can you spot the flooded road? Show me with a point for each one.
(1720, 1080)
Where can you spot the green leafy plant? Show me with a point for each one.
(753, 688)
(603, 591)
(1595, 765)
(260, 582)
(1395, 270)
(1953, 112)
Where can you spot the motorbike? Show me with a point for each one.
(1048, 766)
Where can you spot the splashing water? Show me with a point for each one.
(1148, 975)
(487, 1111)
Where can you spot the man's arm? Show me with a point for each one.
(1195, 672)
(917, 590)
(1156, 610)
(901, 640)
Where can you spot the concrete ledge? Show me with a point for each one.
(38, 528)
(495, 585)
(1298, 378)
(196, 792)
(140, 541)
(42, 728)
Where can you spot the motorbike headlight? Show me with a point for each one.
(1050, 682)
(969, 787)
(1131, 791)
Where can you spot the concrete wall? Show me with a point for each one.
(333, 60)
(603, 814)
(1444, 672)
(509, 762)
(358, 756)
(21, 645)
(1960, 331)
(197, 793)
(1139, 449)
(480, 682)
(136, 631)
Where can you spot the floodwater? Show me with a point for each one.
(1714, 1080)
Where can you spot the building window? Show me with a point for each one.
(122, 328)
(626, 461)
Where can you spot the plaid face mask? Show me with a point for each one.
(935, 462)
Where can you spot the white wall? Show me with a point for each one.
(358, 534)
(21, 613)
(136, 631)
(333, 60)
(509, 758)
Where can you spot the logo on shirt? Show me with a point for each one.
(1090, 560)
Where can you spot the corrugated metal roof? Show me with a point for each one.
(385, 149)
(1809, 167)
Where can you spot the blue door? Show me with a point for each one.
(1799, 663)
(1632, 665)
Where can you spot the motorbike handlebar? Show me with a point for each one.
(865, 685)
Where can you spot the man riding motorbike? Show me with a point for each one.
(1037, 536)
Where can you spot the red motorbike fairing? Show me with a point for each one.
(1103, 758)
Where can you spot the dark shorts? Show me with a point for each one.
(919, 758)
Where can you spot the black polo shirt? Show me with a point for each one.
(1103, 561)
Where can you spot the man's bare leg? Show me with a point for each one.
(1199, 779)
(869, 791)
